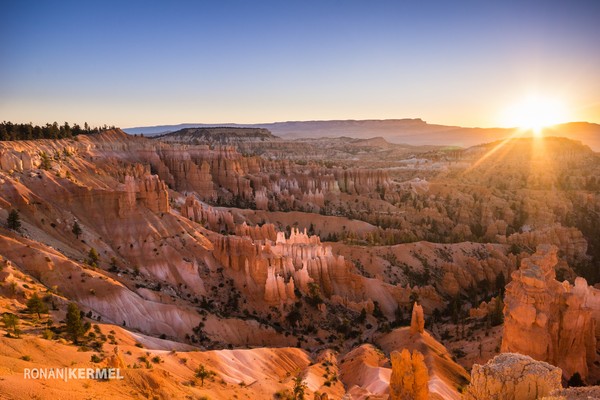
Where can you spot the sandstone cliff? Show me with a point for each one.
(546, 319)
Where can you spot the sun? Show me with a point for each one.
(535, 113)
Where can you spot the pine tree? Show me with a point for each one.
(500, 283)
(11, 321)
(77, 229)
(75, 328)
(14, 220)
(299, 388)
(497, 313)
(203, 373)
(93, 257)
(45, 164)
(35, 305)
(575, 380)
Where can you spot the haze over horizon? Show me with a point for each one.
(146, 63)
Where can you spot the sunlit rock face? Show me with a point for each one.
(409, 379)
(512, 376)
(276, 268)
(548, 320)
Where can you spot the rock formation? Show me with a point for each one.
(116, 359)
(409, 380)
(148, 190)
(512, 376)
(211, 218)
(569, 240)
(278, 267)
(548, 320)
(417, 321)
(359, 181)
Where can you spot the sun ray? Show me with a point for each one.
(515, 134)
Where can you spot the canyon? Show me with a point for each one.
(340, 266)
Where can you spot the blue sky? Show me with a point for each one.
(134, 63)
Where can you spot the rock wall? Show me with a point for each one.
(276, 268)
(214, 219)
(362, 181)
(148, 190)
(548, 320)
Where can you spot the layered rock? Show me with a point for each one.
(362, 181)
(548, 320)
(277, 268)
(212, 218)
(512, 376)
(410, 378)
(257, 232)
(26, 155)
(177, 168)
(148, 190)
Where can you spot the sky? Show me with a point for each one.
(139, 63)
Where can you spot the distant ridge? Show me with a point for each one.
(217, 135)
(400, 131)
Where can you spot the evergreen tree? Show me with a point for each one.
(575, 380)
(45, 164)
(202, 373)
(497, 314)
(93, 257)
(10, 131)
(500, 283)
(35, 305)
(77, 229)
(11, 321)
(299, 388)
(75, 328)
(14, 220)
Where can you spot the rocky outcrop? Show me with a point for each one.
(148, 190)
(486, 308)
(277, 268)
(546, 319)
(362, 371)
(176, 167)
(409, 379)
(512, 376)
(417, 321)
(211, 218)
(361, 181)
(217, 135)
(257, 232)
